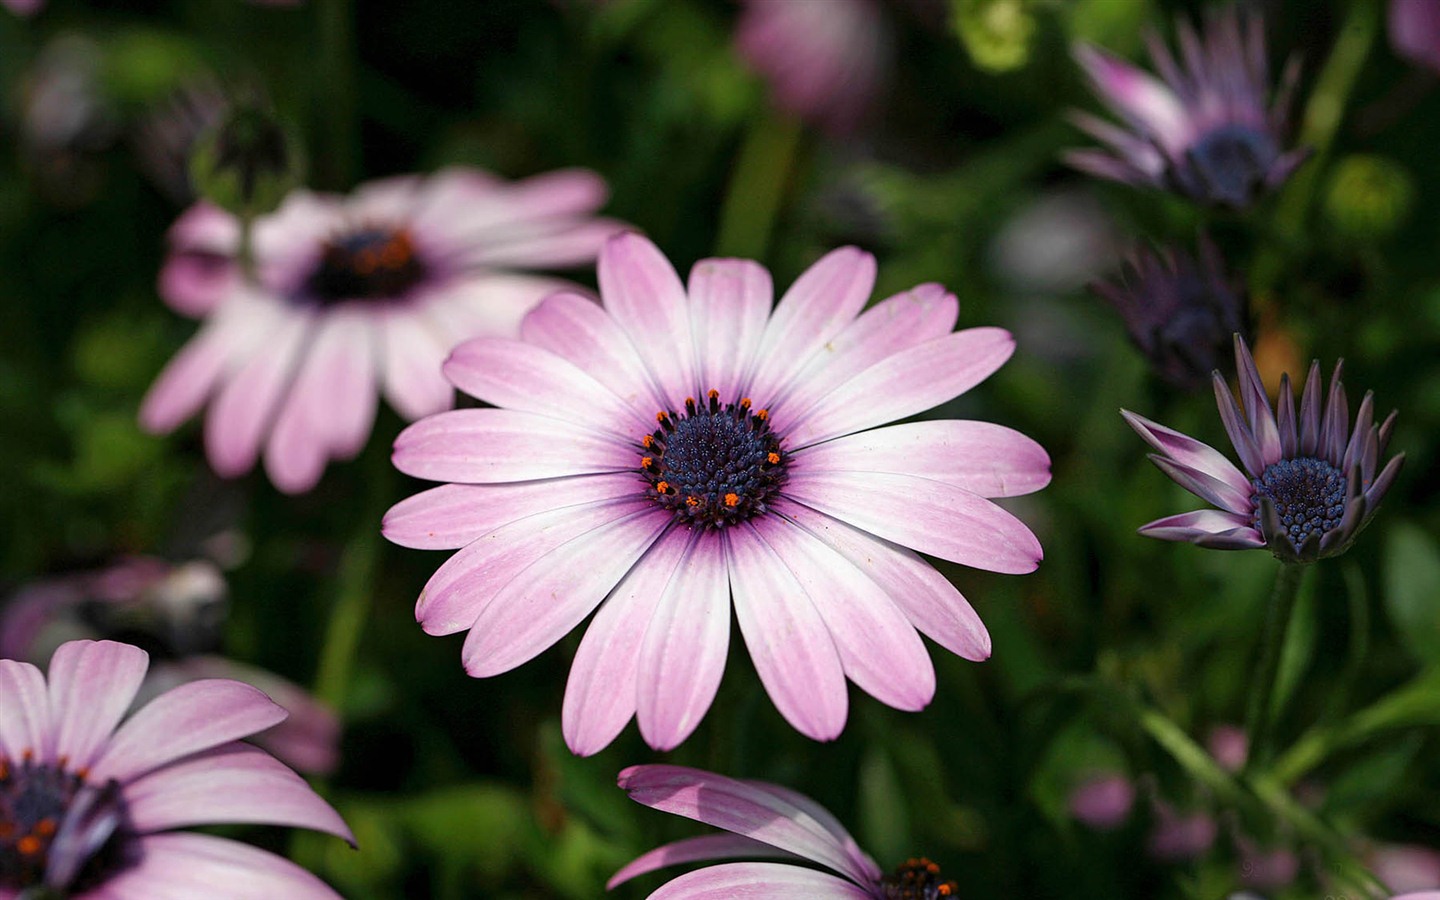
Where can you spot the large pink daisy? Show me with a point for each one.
(353, 292)
(676, 453)
(88, 810)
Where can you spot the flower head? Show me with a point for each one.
(1414, 27)
(1307, 489)
(89, 810)
(678, 450)
(352, 296)
(1205, 130)
(765, 821)
(1179, 311)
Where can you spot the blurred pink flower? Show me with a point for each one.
(178, 609)
(1177, 836)
(1414, 27)
(825, 60)
(676, 448)
(353, 296)
(1229, 745)
(23, 7)
(89, 809)
(1406, 867)
(765, 821)
(1103, 802)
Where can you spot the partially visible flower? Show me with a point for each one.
(679, 453)
(825, 60)
(1103, 802)
(89, 806)
(352, 296)
(1414, 27)
(67, 119)
(1405, 867)
(1306, 491)
(23, 7)
(1269, 869)
(177, 611)
(1229, 745)
(765, 821)
(1180, 836)
(1205, 130)
(1180, 311)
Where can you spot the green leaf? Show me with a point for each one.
(1412, 589)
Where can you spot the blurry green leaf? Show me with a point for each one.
(143, 65)
(1299, 646)
(1371, 779)
(884, 817)
(110, 451)
(1412, 589)
(380, 855)
(1106, 22)
(117, 353)
(1368, 196)
(997, 33)
(481, 825)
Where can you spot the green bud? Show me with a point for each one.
(247, 163)
(1368, 196)
(996, 33)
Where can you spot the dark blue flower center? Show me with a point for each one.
(713, 465)
(56, 830)
(917, 879)
(1232, 163)
(366, 264)
(1309, 495)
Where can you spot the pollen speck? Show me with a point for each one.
(732, 499)
(773, 459)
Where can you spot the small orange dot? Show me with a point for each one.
(732, 499)
(663, 486)
(29, 845)
(712, 394)
(744, 402)
(661, 416)
(773, 458)
(944, 890)
(45, 827)
(646, 462)
(648, 441)
(762, 414)
(691, 501)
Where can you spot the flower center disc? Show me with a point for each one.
(917, 879)
(1234, 160)
(1309, 495)
(45, 812)
(366, 264)
(713, 466)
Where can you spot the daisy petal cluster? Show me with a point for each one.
(768, 822)
(351, 297)
(682, 451)
(89, 805)
(1203, 128)
(1310, 483)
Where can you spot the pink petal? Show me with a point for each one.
(738, 807)
(1188, 451)
(683, 654)
(188, 719)
(485, 304)
(1137, 95)
(576, 328)
(600, 695)
(929, 600)
(186, 866)
(243, 411)
(92, 684)
(517, 375)
(24, 711)
(226, 341)
(787, 639)
(897, 323)
(200, 272)
(235, 783)
(645, 297)
(544, 245)
(453, 515)
(759, 881)
(903, 384)
(469, 580)
(1205, 487)
(929, 516)
(475, 206)
(827, 820)
(485, 446)
(411, 352)
(697, 849)
(980, 457)
(878, 646)
(729, 303)
(553, 595)
(1202, 522)
(821, 302)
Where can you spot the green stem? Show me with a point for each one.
(1260, 716)
(1321, 121)
(752, 200)
(336, 163)
(348, 616)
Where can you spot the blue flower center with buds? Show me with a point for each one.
(366, 264)
(917, 879)
(1309, 495)
(56, 830)
(1232, 163)
(713, 466)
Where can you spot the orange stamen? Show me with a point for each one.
(762, 414)
(646, 462)
(661, 416)
(744, 402)
(732, 499)
(45, 827)
(648, 441)
(773, 458)
(712, 394)
(663, 487)
(691, 501)
(29, 845)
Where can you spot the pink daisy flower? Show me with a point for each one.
(351, 293)
(88, 809)
(769, 822)
(676, 453)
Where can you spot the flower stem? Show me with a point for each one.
(339, 137)
(752, 200)
(1260, 716)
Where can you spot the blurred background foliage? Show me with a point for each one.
(1119, 656)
